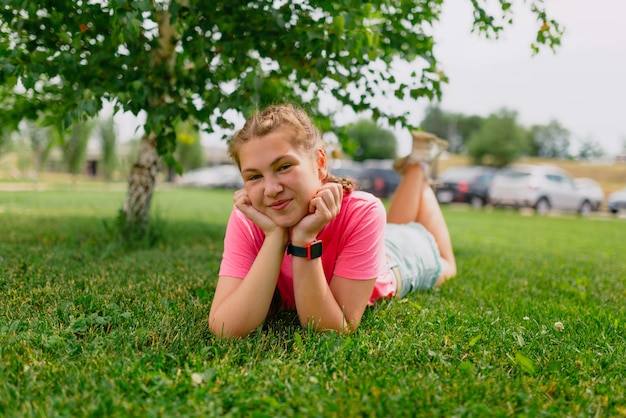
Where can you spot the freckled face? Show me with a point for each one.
(281, 179)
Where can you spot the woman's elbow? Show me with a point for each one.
(345, 327)
(221, 331)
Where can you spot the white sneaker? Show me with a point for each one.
(426, 149)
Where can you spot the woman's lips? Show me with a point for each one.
(280, 205)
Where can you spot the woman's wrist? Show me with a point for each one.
(302, 240)
(278, 233)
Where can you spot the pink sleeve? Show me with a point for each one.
(242, 243)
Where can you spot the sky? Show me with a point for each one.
(582, 85)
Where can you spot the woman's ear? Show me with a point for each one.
(322, 164)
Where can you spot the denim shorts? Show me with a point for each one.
(413, 253)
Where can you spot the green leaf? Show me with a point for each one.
(525, 363)
(466, 367)
(338, 26)
(474, 340)
(297, 338)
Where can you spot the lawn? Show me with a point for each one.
(533, 325)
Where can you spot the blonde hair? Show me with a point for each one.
(305, 134)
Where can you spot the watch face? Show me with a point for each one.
(314, 250)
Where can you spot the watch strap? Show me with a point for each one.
(311, 251)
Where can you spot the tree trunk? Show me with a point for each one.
(140, 187)
(136, 212)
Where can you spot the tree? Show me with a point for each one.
(550, 141)
(189, 151)
(5, 140)
(73, 144)
(180, 59)
(108, 145)
(456, 128)
(5, 130)
(466, 126)
(40, 140)
(374, 142)
(499, 141)
(440, 123)
(589, 149)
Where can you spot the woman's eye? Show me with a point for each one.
(284, 167)
(254, 177)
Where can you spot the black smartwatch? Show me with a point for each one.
(311, 251)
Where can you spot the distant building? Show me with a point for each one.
(127, 153)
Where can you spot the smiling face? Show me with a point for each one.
(280, 177)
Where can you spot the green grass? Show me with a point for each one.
(88, 329)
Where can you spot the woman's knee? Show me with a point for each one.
(448, 271)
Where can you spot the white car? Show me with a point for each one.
(592, 190)
(225, 176)
(541, 187)
(617, 201)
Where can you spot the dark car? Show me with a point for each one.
(379, 178)
(347, 169)
(467, 184)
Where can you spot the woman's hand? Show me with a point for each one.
(323, 208)
(244, 204)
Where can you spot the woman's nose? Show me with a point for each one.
(272, 186)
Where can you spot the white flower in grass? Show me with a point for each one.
(558, 326)
(526, 318)
(197, 379)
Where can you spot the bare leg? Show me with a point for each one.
(406, 201)
(415, 201)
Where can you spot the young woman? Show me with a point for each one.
(302, 239)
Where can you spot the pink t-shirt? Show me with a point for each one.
(353, 247)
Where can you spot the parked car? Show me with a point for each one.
(226, 176)
(592, 190)
(347, 169)
(466, 184)
(379, 178)
(350, 170)
(617, 201)
(541, 187)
